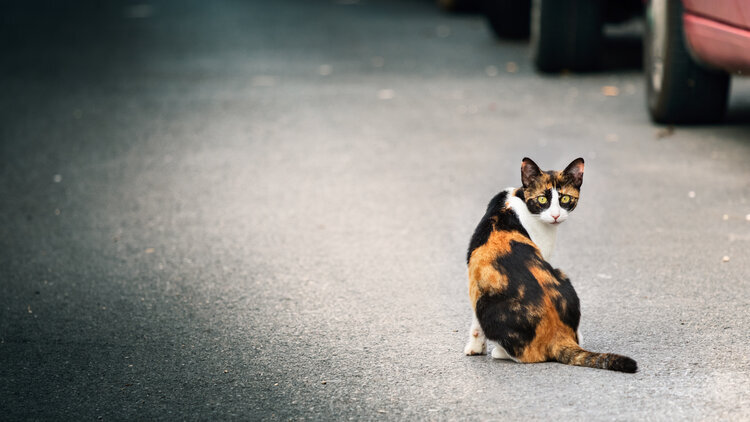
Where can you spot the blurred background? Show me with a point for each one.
(259, 210)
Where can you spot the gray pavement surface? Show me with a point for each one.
(259, 210)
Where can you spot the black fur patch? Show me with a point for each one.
(567, 305)
(570, 206)
(497, 217)
(535, 207)
(505, 317)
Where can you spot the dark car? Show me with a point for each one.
(565, 34)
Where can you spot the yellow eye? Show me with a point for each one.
(565, 199)
(542, 200)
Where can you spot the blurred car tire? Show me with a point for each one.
(679, 90)
(508, 18)
(458, 5)
(566, 34)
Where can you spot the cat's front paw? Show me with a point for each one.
(475, 347)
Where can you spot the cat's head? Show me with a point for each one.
(551, 195)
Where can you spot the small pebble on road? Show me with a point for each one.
(386, 94)
(610, 91)
(664, 132)
(325, 69)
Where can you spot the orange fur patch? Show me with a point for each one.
(550, 331)
(483, 277)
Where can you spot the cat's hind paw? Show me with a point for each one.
(500, 353)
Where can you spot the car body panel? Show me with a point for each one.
(717, 44)
(731, 12)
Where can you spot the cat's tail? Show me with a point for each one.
(570, 353)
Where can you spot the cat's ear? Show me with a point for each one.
(574, 172)
(529, 171)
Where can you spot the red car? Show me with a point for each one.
(691, 49)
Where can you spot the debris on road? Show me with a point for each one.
(325, 69)
(664, 132)
(610, 91)
(386, 94)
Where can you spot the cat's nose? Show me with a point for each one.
(555, 216)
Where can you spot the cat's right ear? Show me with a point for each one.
(575, 172)
(529, 171)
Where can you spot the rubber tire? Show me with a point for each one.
(508, 18)
(689, 93)
(458, 6)
(566, 34)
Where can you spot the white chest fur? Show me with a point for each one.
(542, 234)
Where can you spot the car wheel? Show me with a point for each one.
(566, 34)
(678, 89)
(508, 18)
(457, 5)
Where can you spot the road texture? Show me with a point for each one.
(259, 210)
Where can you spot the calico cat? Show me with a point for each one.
(520, 302)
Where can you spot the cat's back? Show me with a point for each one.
(499, 217)
(500, 252)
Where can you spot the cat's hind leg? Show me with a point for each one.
(477, 344)
(498, 352)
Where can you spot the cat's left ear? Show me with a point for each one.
(574, 171)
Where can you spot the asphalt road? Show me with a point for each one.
(259, 211)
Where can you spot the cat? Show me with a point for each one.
(519, 301)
